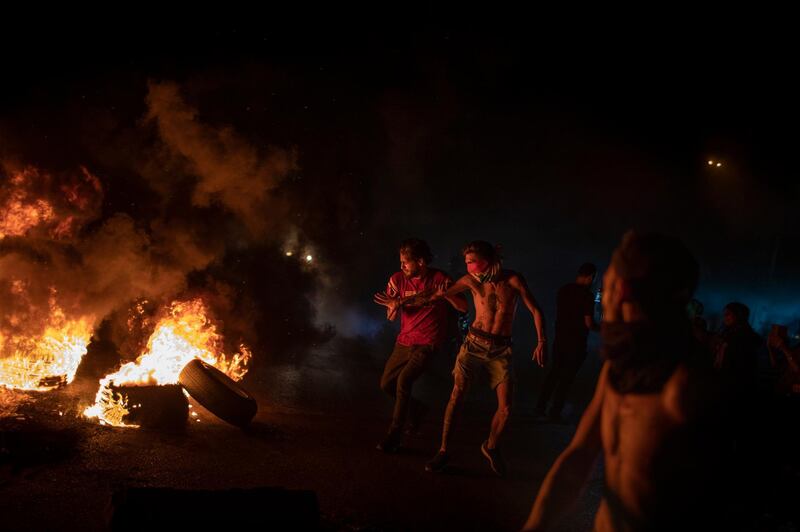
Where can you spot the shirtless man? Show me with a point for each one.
(655, 415)
(487, 346)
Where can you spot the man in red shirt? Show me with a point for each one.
(423, 328)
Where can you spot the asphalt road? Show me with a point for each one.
(318, 422)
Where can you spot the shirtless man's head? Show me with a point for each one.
(646, 330)
(651, 276)
(482, 260)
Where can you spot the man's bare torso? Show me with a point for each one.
(495, 302)
(653, 471)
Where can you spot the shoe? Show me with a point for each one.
(495, 460)
(391, 443)
(437, 463)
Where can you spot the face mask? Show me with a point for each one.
(482, 272)
(641, 357)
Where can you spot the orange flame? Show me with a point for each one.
(47, 360)
(184, 334)
(23, 210)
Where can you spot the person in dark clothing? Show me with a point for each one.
(737, 353)
(699, 325)
(574, 320)
(736, 363)
(786, 360)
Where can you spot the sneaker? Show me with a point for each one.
(495, 460)
(437, 463)
(391, 443)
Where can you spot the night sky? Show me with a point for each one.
(551, 145)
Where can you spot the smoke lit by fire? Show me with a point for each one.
(27, 202)
(67, 263)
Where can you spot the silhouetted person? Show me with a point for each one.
(574, 320)
(785, 359)
(737, 351)
(695, 311)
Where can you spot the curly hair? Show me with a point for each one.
(416, 249)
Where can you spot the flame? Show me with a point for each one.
(184, 334)
(47, 360)
(24, 207)
(19, 216)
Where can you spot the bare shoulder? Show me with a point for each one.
(466, 280)
(689, 393)
(513, 278)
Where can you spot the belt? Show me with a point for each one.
(489, 340)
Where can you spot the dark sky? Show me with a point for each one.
(549, 144)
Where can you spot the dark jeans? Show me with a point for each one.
(404, 366)
(565, 366)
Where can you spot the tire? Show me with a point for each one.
(218, 393)
(155, 407)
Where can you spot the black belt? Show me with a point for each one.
(484, 337)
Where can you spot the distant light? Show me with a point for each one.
(288, 253)
(309, 258)
(719, 164)
(710, 163)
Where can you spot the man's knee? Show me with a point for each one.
(389, 387)
(405, 381)
(459, 389)
(504, 411)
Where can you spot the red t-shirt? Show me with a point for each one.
(421, 325)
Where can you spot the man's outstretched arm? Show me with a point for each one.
(455, 295)
(572, 468)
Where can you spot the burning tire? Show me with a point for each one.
(156, 407)
(218, 393)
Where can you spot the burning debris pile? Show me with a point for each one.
(41, 345)
(69, 262)
(183, 335)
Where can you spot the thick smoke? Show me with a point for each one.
(57, 244)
